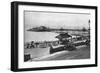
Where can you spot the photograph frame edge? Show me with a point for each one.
(14, 36)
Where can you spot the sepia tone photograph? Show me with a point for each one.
(56, 36)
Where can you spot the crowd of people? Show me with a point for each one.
(44, 44)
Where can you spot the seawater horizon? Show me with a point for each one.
(45, 36)
(39, 36)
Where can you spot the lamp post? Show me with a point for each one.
(89, 28)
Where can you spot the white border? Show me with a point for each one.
(22, 64)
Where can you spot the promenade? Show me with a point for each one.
(81, 53)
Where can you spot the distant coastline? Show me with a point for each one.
(46, 29)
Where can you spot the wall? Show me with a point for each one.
(5, 35)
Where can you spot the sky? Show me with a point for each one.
(56, 20)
